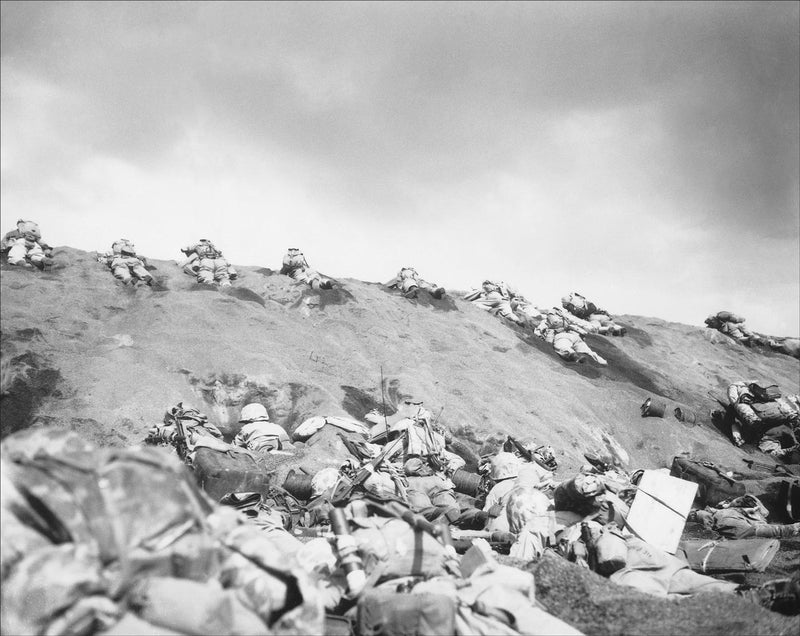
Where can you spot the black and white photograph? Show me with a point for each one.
(399, 318)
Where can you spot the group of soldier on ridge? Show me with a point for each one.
(564, 327)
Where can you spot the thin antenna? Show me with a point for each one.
(383, 401)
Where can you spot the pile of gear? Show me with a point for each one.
(396, 471)
(757, 413)
(339, 527)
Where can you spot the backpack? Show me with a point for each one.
(206, 249)
(764, 393)
(583, 308)
(773, 413)
(727, 316)
(392, 549)
(103, 496)
(123, 245)
(387, 613)
(220, 473)
(296, 259)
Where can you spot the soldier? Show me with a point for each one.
(529, 516)
(296, 267)
(503, 473)
(26, 247)
(764, 417)
(258, 434)
(495, 299)
(125, 264)
(600, 319)
(733, 326)
(409, 283)
(566, 337)
(743, 518)
(206, 262)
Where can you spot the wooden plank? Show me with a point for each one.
(659, 509)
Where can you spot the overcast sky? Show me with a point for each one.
(644, 154)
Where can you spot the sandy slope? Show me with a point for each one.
(107, 361)
(124, 355)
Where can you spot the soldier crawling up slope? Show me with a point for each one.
(205, 261)
(733, 326)
(409, 282)
(598, 320)
(25, 246)
(562, 330)
(127, 266)
(295, 266)
(501, 300)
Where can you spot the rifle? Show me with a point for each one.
(777, 468)
(383, 404)
(181, 445)
(345, 487)
(751, 463)
(598, 463)
(526, 454)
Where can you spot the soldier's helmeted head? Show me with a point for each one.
(504, 466)
(252, 412)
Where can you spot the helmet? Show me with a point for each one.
(589, 485)
(566, 299)
(504, 466)
(324, 481)
(380, 484)
(252, 412)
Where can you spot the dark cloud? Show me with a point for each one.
(395, 97)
